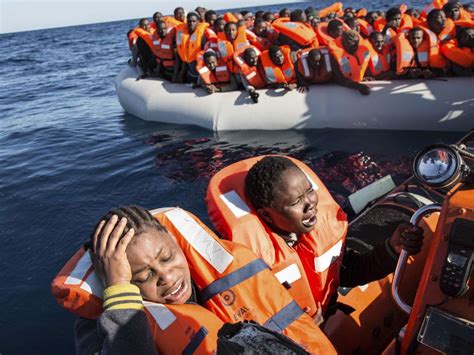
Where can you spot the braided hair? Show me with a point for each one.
(263, 178)
(137, 217)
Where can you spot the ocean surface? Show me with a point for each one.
(68, 153)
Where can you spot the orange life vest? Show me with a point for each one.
(189, 45)
(365, 27)
(461, 56)
(436, 4)
(361, 13)
(337, 7)
(171, 21)
(230, 17)
(132, 39)
(234, 285)
(299, 32)
(219, 77)
(163, 48)
(270, 38)
(279, 74)
(323, 35)
(448, 32)
(312, 264)
(380, 62)
(352, 66)
(326, 73)
(240, 40)
(251, 74)
(427, 51)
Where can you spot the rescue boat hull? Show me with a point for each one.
(433, 105)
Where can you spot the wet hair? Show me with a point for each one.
(208, 14)
(193, 14)
(263, 178)
(392, 12)
(296, 15)
(334, 25)
(137, 217)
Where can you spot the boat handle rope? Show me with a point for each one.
(403, 258)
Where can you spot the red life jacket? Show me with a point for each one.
(234, 285)
(326, 73)
(352, 66)
(251, 74)
(380, 62)
(312, 266)
(219, 77)
(460, 56)
(163, 48)
(279, 74)
(365, 27)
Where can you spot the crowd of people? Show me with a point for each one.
(299, 48)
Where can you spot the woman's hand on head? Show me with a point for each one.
(407, 237)
(109, 245)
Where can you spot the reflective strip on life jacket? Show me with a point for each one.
(279, 74)
(280, 321)
(352, 66)
(298, 32)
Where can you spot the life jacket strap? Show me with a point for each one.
(197, 339)
(287, 315)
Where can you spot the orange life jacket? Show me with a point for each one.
(461, 56)
(326, 73)
(270, 38)
(323, 35)
(132, 39)
(436, 4)
(352, 66)
(163, 48)
(361, 13)
(428, 52)
(365, 27)
(299, 32)
(337, 7)
(312, 264)
(230, 17)
(279, 74)
(219, 77)
(189, 45)
(252, 74)
(448, 32)
(380, 62)
(234, 285)
(240, 40)
(171, 21)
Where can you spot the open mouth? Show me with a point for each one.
(176, 292)
(309, 222)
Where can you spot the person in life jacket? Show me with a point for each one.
(214, 75)
(296, 33)
(393, 24)
(460, 51)
(382, 57)
(179, 18)
(231, 40)
(247, 61)
(190, 40)
(266, 35)
(354, 24)
(268, 17)
(163, 46)
(157, 16)
(146, 58)
(313, 66)
(210, 17)
(455, 12)
(280, 209)
(315, 21)
(219, 25)
(349, 60)
(170, 285)
(328, 32)
(284, 13)
(277, 65)
(413, 52)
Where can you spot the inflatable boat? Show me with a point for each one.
(432, 105)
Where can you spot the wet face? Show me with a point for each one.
(278, 58)
(294, 206)
(260, 29)
(415, 38)
(193, 22)
(211, 63)
(315, 21)
(159, 268)
(179, 14)
(377, 42)
(231, 32)
(437, 22)
(161, 30)
(251, 58)
(145, 25)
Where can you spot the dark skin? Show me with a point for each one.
(315, 64)
(378, 42)
(251, 59)
(437, 23)
(179, 14)
(231, 32)
(278, 58)
(193, 22)
(415, 38)
(212, 63)
(162, 30)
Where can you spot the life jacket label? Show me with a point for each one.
(156, 42)
(165, 46)
(289, 274)
(248, 77)
(235, 203)
(162, 315)
(221, 68)
(209, 248)
(423, 56)
(322, 262)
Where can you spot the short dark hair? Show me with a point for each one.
(262, 179)
(137, 217)
(248, 51)
(334, 24)
(258, 21)
(273, 50)
(267, 16)
(209, 54)
(176, 10)
(415, 29)
(374, 34)
(432, 14)
(208, 14)
(228, 24)
(141, 21)
(296, 15)
(282, 11)
(392, 12)
(193, 14)
(259, 14)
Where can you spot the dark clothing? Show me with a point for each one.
(147, 61)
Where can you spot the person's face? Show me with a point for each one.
(377, 42)
(294, 207)
(314, 60)
(350, 43)
(251, 59)
(269, 18)
(304, 18)
(211, 19)
(414, 13)
(467, 38)
(415, 38)
(159, 268)
(211, 63)
(437, 23)
(454, 13)
(260, 29)
(315, 21)
(396, 20)
(179, 15)
(161, 30)
(219, 26)
(372, 17)
(286, 13)
(356, 26)
(231, 32)
(157, 16)
(145, 25)
(278, 58)
(193, 21)
(336, 32)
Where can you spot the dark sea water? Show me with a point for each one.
(68, 153)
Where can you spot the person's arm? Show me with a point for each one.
(232, 86)
(121, 329)
(342, 80)
(303, 84)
